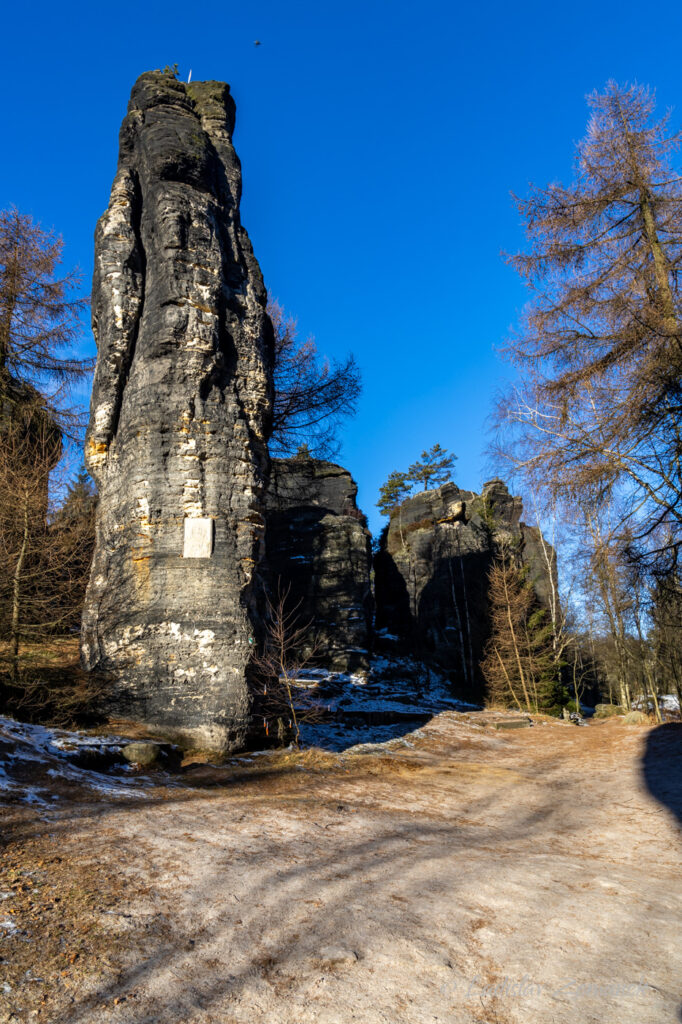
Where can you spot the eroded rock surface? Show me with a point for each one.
(318, 548)
(179, 414)
(431, 572)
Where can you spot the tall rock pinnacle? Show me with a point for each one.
(180, 409)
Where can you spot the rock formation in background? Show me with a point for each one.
(179, 415)
(317, 545)
(431, 572)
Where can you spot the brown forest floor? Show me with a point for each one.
(394, 888)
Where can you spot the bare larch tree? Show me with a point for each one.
(597, 411)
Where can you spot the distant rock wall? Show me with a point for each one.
(318, 546)
(431, 571)
(179, 415)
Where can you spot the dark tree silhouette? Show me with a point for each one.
(313, 396)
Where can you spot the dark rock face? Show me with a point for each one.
(431, 572)
(317, 545)
(179, 415)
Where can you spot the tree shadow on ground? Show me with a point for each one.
(302, 872)
(300, 877)
(662, 771)
(269, 947)
(662, 766)
(266, 948)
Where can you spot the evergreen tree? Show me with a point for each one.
(433, 468)
(80, 500)
(44, 555)
(393, 493)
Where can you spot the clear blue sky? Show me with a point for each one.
(379, 141)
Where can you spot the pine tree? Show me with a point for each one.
(433, 468)
(393, 493)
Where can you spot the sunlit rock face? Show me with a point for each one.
(319, 556)
(431, 573)
(180, 410)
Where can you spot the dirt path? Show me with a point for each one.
(479, 876)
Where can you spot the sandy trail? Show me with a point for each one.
(479, 876)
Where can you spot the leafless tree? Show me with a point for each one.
(518, 662)
(615, 595)
(312, 395)
(44, 557)
(596, 414)
(666, 614)
(286, 650)
(39, 317)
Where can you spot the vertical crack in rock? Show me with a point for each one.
(180, 410)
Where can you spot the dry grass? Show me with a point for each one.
(53, 688)
(64, 909)
(57, 652)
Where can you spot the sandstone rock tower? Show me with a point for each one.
(179, 414)
(317, 544)
(431, 572)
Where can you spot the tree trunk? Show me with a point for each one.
(661, 266)
(10, 294)
(466, 610)
(575, 680)
(515, 643)
(509, 682)
(648, 674)
(661, 269)
(458, 619)
(16, 597)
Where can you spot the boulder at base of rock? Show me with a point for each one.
(608, 710)
(148, 754)
(636, 718)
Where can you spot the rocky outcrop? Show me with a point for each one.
(179, 416)
(431, 572)
(318, 548)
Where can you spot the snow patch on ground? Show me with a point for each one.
(45, 753)
(392, 699)
(666, 702)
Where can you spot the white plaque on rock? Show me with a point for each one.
(198, 538)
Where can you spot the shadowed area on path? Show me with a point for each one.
(662, 766)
